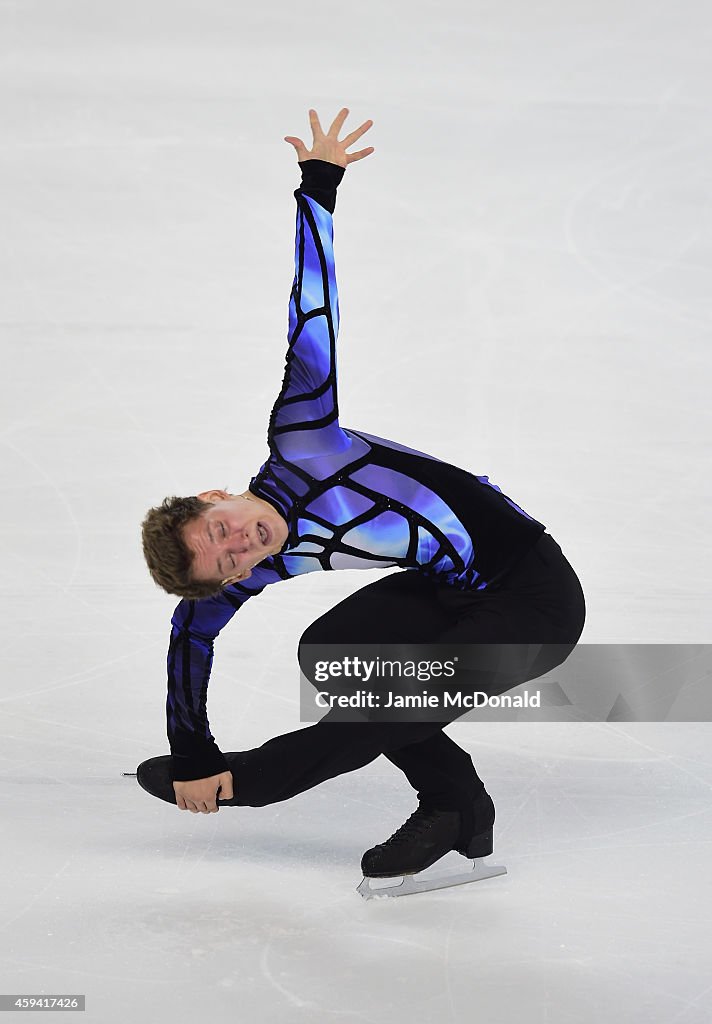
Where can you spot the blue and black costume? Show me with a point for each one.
(353, 500)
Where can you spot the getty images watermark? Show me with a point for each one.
(506, 682)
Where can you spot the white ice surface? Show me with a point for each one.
(524, 278)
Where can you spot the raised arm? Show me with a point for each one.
(304, 419)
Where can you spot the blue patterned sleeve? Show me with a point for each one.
(305, 418)
(195, 625)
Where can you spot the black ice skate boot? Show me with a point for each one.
(475, 839)
(426, 836)
(154, 775)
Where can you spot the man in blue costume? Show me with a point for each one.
(475, 569)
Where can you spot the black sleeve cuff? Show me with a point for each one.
(199, 762)
(319, 181)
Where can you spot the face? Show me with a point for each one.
(233, 535)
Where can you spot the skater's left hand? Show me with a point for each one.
(328, 147)
(199, 796)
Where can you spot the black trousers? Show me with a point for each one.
(538, 602)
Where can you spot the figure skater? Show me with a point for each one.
(475, 569)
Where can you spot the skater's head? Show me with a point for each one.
(168, 557)
(196, 546)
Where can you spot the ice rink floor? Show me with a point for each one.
(524, 283)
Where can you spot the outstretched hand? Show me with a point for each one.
(327, 147)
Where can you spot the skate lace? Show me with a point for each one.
(418, 823)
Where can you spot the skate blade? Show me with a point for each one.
(411, 884)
